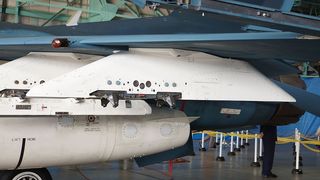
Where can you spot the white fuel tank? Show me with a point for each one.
(33, 142)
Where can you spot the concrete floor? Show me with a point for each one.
(201, 166)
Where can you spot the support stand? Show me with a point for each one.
(247, 139)
(297, 170)
(255, 162)
(260, 158)
(231, 152)
(241, 141)
(170, 168)
(220, 157)
(202, 148)
(217, 139)
(237, 143)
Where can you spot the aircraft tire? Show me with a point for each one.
(26, 174)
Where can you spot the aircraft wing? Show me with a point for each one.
(262, 45)
(218, 28)
(254, 45)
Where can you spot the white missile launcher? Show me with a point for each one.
(159, 74)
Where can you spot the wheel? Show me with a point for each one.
(26, 174)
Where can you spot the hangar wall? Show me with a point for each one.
(54, 12)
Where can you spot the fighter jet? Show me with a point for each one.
(103, 91)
